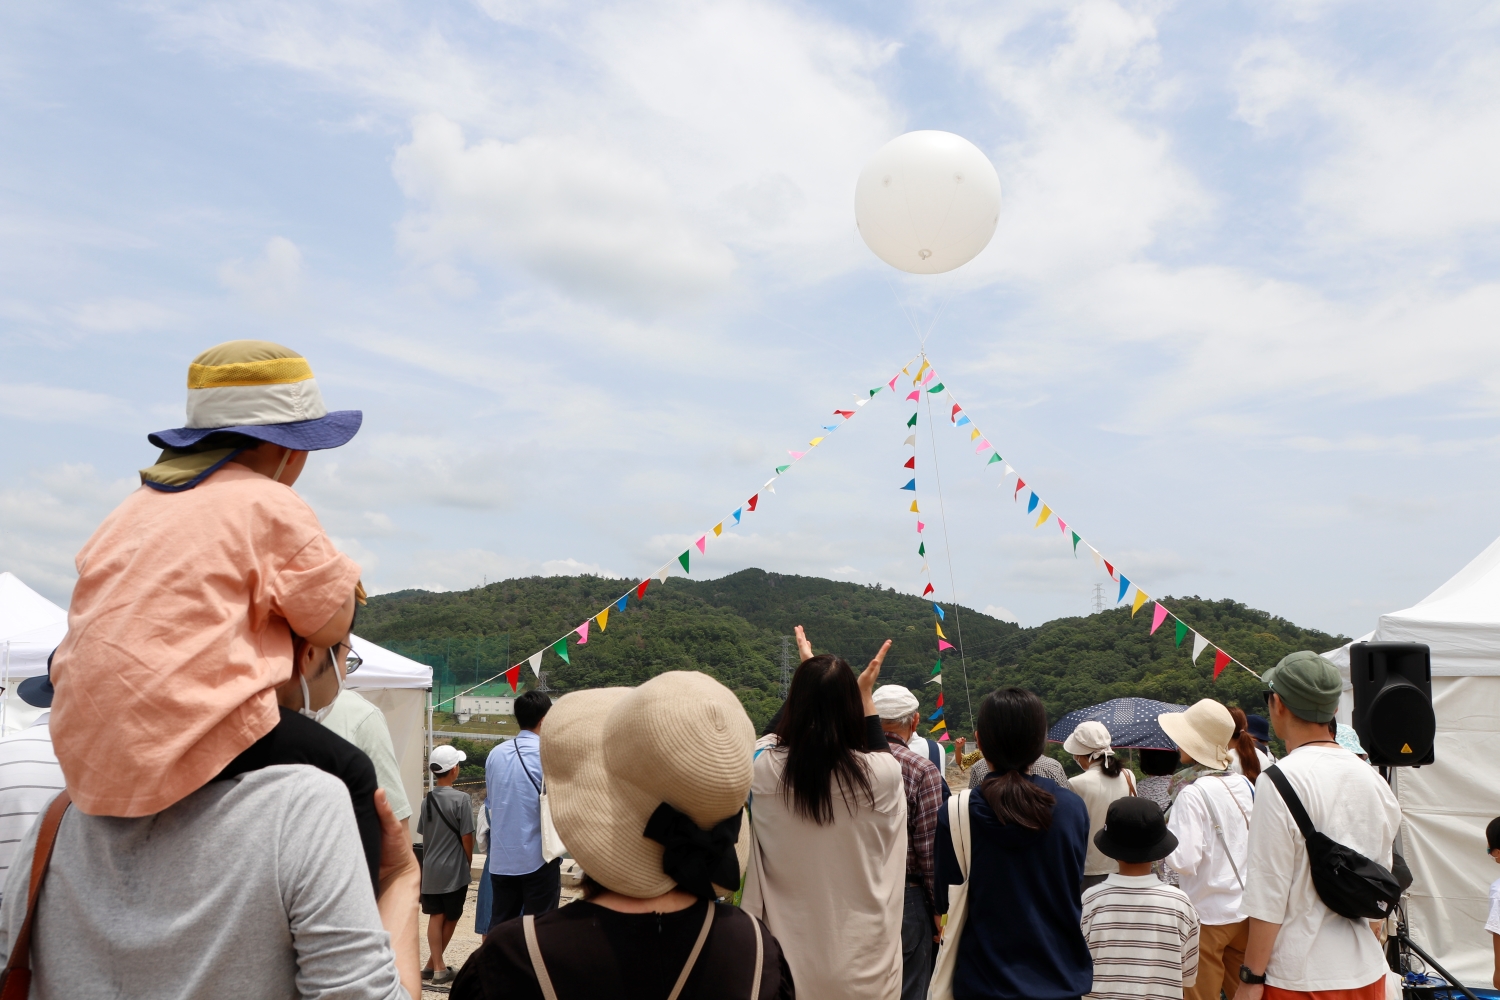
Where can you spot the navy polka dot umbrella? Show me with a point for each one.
(1131, 722)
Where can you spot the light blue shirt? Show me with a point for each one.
(513, 783)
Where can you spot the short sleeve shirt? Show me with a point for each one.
(362, 724)
(179, 630)
(1493, 924)
(447, 815)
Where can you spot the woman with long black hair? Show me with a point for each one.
(828, 812)
(1021, 937)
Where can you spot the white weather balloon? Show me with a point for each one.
(927, 202)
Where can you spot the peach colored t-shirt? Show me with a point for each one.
(178, 632)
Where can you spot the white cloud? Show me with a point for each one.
(271, 281)
(1002, 613)
(120, 315)
(46, 520)
(54, 404)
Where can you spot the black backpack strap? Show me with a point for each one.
(1293, 803)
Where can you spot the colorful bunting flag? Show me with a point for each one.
(640, 592)
(1031, 504)
(513, 677)
(981, 446)
(930, 376)
(922, 549)
(718, 529)
(1041, 518)
(944, 644)
(1158, 615)
(779, 470)
(1199, 645)
(943, 738)
(620, 604)
(935, 716)
(914, 508)
(940, 725)
(956, 410)
(1076, 540)
(664, 572)
(814, 442)
(937, 668)
(911, 439)
(583, 633)
(914, 394)
(963, 420)
(1008, 471)
(535, 661)
(920, 526)
(603, 619)
(1062, 526)
(830, 428)
(1017, 492)
(750, 504)
(1221, 660)
(925, 365)
(846, 414)
(1182, 631)
(910, 486)
(974, 434)
(796, 455)
(993, 459)
(940, 613)
(927, 590)
(891, 383)
(684, 560)
(737, 515)
(1124, 586)
(935, 679)
(911, 463)
(1110, 570)
(1140, 598)
(939, 630)
(936, 388)
(560, 647)
(702, 544)
(940, 699)
(913, 421)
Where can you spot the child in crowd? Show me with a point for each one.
(446, 824)
(1141, 932)
(1492, 838)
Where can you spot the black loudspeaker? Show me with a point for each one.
(1393, 701)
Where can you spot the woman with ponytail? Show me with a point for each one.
(1249, 759)
(1103, 781)
(1021, 936)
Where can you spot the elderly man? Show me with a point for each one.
(920, 927)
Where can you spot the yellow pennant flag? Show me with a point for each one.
(603, 619)
(918, 377)
(718, 529)
(1041, 518)
(1140, 598)
(974, 434)
(814, 442)
(940, 631)
(914, 508)
(942, 724)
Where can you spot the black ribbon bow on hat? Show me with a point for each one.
(695, 859)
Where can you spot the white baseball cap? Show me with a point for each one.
(445, 758)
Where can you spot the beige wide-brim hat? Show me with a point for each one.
(1204, 731)
(611, 756)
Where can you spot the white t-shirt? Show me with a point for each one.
(1317, 949)
(1493, 924)
(1206, 862)
(1098, 791)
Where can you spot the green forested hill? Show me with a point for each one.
(730, 628)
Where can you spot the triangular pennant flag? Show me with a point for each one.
(1031, 504)
(846, 414)
(910, 486)
(924, 567)
(911, 439)
(943, 738)
(954, 414)
(664, 572)
(737, 515)
(914, 394)
(935, 716)
(1009, 471)
(981, 446)
(535, 662)
(1041, 518)
(718, 529)
(1221, 660)
(920, 526)
(873, 391)
(1140, 598)
(1182, 631)
(702, 544)
(1062, 526)
(796, 455)
(922, 549)
(779, 470)
(942, 724)
(911, 463)
(914, 508)
(830, 428)
(1110, 570)
(936, 388)
(930, 376)
(993, 459)
(1124, 586)
(963, 420)
(560, 647)
(814, 442)
(940, 699)
(1019, 483)
(684, 560)
(750, 504)
(620, 604)
(927, 590)
(939, 630)
(974, 434)
(891, 383)
(1076, 540)
(925, 365)
(603, 619)
(937, 667)
(940, 613)
(513, 677)
(583, 633)
(640, 592)
(913, 421)
(1158, 615)
(1199, 645)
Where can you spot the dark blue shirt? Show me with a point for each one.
(1023, 938)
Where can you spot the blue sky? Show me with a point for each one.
(590, 271)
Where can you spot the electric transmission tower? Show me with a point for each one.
(1098, 598)
(786, 665)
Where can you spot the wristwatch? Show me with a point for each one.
(1246, 976)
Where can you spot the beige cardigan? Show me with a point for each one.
(832, 895)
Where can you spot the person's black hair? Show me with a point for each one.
(823, 730)
(1243, 744)
(1012, 731)
(1492, 834)
(1160, 762)
(1111, 765)
(531, 708)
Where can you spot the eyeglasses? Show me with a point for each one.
(352, 662)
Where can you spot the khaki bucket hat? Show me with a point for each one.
(646, 785)
(1204, 731)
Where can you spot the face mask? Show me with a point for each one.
(321, 713)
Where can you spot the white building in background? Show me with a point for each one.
(474, 705)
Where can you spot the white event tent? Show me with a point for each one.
(31, 627)
(1445, 806)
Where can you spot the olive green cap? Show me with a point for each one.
(1307, 684)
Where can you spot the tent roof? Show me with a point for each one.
(1460, 620)
(385, 669)
(23, 610)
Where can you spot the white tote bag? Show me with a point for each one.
(958, 899)
(552, 845)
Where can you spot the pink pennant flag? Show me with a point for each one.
(583, 633)
(981, 446)
(1158, 616)
(1063, 525)
(892, 382)
(914, 394)
(943, 738)
(702, 544)
(796, 455)
(930, 376)
(944, 644)
(920, 526)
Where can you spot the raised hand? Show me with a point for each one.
(804, 648)
(869, 676)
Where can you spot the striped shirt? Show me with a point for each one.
(29, 778)
(1143, 935)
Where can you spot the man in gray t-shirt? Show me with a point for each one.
(446, 823)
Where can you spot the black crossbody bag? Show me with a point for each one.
(1349, 883)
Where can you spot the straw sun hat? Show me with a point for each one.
(669, 760)
(1204, 731)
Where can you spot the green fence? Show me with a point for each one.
(460, 663)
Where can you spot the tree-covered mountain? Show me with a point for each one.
(730, 628)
